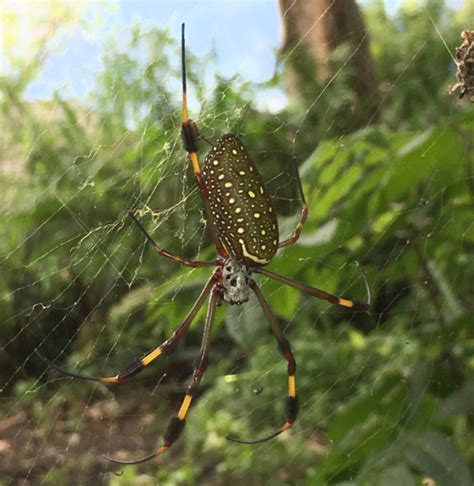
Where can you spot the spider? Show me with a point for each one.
(244, 229)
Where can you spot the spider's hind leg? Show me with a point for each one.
(303, 217)
(166, 253)
(208, 140)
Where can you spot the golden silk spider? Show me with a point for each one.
(245, 232)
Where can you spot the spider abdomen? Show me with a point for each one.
(243, 216)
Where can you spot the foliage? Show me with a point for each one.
(394, 375)
(385, 399)
(414, 69)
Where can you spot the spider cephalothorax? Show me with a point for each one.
(244, 228)
(235, 282)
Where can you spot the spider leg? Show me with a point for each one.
(291, 407)
(321, 294)
(190, 134)
(138, 366)
(167, 254)
(304, 214)
(177, 423)
(208, 140)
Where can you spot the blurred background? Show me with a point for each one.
(354, 93)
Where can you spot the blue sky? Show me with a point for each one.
(246, 34)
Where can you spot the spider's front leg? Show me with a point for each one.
(138, 366)
(322, 294)
(177, 423)
(292, 406)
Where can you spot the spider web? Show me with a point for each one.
(83, 287)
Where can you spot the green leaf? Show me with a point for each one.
(392, 475)
(459, 402)
(431, 454)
